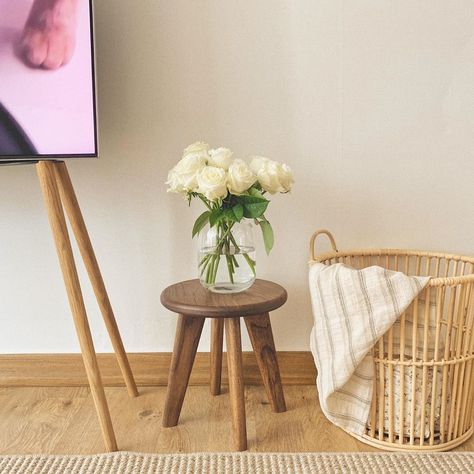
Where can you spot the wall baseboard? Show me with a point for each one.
(149, 368)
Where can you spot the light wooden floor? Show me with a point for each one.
(62, 420)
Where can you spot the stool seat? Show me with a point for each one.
(194, 304)
(192, 299)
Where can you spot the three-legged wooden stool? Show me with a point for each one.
(194, 304)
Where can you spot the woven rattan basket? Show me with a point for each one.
(423, 397)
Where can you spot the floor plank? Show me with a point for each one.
(62, 420)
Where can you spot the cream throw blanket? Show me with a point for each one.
(352, 310)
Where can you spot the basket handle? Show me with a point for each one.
(313, 238)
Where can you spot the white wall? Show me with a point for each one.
(370, 102)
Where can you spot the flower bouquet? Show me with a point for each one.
(233, 192)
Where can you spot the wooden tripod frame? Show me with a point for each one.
(58, 192)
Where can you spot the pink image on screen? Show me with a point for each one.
(54, 107)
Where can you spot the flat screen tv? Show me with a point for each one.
(47, 80)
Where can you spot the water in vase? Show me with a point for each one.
(230, 271)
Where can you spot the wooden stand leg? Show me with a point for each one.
(71, 205)
(188, 333)
(236, 382)
(66, 259)
(217, 336)
(261, 336)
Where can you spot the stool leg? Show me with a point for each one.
(188, 333)
(236, 382)
(217, 335)
(261, 336)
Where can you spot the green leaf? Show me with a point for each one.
(215, 216)
(255, 193)
(256, 209)
(268, 237)
(201, 221)
(248, 199)
(238, 211)
(229, 214)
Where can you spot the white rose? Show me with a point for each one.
(268, 176)
(240, 177)
(286, 177)
(173, 182)
(275, 177)
(212, 182)
(257, 162)
(196, 147)
(183, 177)
(220, 157)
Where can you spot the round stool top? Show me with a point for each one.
(192, 299)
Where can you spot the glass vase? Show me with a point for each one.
(226, 257)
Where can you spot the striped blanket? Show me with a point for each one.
(352, 310)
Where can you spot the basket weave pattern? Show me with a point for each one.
(423, 396)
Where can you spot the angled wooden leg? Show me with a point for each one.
(217, 335)
(261, 336)
(188, 333)
(236, 382)
(66, 259)
(69, 199)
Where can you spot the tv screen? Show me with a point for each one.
(47, 83)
